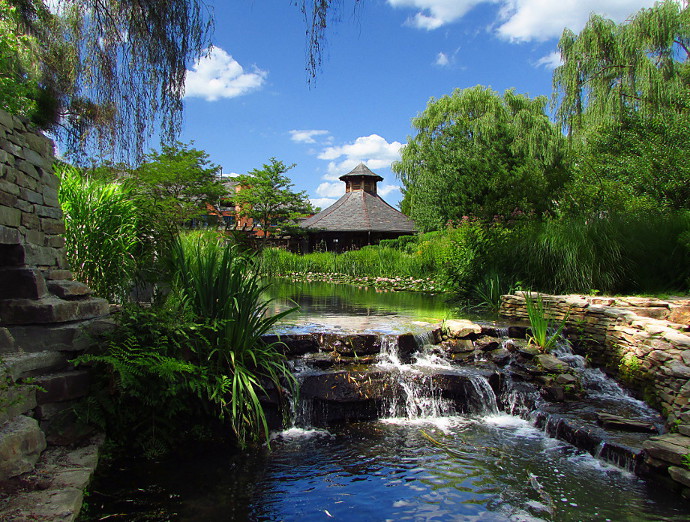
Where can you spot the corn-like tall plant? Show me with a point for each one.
(100, 232)
(219, 286)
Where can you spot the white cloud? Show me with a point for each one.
(331, 190)
(322, 203)
(442, 60)
(433, 14)
(218, 75)
(373, 150)
(306, 136)
(543, 19)
(384, 190)
(521, 20)
(550, 61)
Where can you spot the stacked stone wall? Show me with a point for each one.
(46, 317)
(635, 339)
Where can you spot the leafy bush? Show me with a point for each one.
(542, 332)
(146, 387)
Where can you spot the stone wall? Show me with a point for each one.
(46, 317)
(635, 339)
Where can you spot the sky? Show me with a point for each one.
(250, 98)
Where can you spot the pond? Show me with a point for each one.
(336, 307)
(433, 464)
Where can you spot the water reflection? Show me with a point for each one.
(349, 308)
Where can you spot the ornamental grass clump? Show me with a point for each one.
(220, 288)
(542, 332)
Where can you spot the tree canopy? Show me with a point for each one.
(266, 196)
(110, 72)
(179, 182)
(624, 97)
(482, 154)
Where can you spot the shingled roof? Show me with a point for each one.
(360, 210)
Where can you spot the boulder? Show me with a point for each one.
(551, 364)
(21, 444)
(460, 328)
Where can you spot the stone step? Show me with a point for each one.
(671, 448)
(54, 490)
(69, 289)
(22, 283)
(21, 365)
(51, 310)
(63, 386)
(69, 337)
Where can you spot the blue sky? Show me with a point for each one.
(249, 100)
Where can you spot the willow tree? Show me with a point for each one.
(477, 153)
(623, 95)
(112, 71)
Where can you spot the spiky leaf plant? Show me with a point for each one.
(219, 286)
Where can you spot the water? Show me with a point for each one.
(345, 308)
(422, 460)
(467, 468)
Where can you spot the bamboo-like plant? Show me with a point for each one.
(100, 232)
(220, 287)
(542, 330)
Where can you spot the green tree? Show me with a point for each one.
(623, 95)
(266, 196)
(178, 183)
(110, 72)
(18, 69)
(478, 153)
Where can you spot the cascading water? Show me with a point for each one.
(415, 396)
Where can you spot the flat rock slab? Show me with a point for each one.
(460, 328)
(551, 363)
(54, 490)
(670, 448)
(620, 423)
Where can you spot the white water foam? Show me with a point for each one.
(299, 433)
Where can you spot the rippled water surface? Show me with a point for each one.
(489, 468)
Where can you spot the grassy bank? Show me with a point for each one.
(622, 254)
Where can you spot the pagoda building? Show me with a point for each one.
(357, 219)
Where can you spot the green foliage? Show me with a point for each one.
(18, 67)
(686, 460)
(101, 234)
(618, 254)
(146, 390)
(111, 73)
(179, 183)
(542, 332)
(477, 153)
(217, 286)
(372, 261)
(624, 95)
(629, 368)
(200, 361)
(267, 198)
(487, 293)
